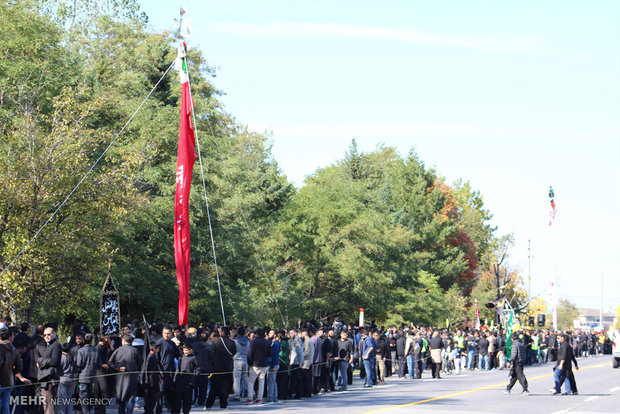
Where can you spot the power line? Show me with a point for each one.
(85, 175)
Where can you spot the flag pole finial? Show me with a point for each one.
(183, 29)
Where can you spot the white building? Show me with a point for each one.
(592, 317)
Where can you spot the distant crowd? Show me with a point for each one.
(159, 367)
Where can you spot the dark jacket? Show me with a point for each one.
(483, 344)
(185, 374)
(400, 346)
(127, 382)
(259, 354)
(517, 355)
(223, 351)
(436, 342)
(566, 354)
(152, 367)
(36, 348)
(168, 351)
(10, 364)
(87, 363)
(204, 356)
(49, 362)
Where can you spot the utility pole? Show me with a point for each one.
(601, 308)
(529, 274)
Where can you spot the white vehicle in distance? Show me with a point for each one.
(616, 349)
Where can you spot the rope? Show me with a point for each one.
(463, 354)
(85, 175)
(204, 188)
(207, 374)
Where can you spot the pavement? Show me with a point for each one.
(470, 392)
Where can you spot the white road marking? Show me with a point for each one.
(614, 389)
(561, 411)
(594, 397)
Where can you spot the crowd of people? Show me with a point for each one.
(161, 367)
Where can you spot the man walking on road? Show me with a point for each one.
(517, 359)
(562, 367)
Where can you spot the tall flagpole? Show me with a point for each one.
(184, 31)
(552, 276)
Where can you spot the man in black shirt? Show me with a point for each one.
(400, 353)
(564, 363)
(326, 353)
(517, 359)
(436, 345)
(184, 379)
(344, 357)
(224, 349)
(168, 351)
(483, 346)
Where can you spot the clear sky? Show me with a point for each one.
(513, 96)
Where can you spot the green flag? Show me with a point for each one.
(509, 334)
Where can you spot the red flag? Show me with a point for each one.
(185, 163)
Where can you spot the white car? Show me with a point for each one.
(616, 350)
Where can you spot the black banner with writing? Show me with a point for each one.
(110, 313)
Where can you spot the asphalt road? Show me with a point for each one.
(471, 392)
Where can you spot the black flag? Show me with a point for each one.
(110, 314)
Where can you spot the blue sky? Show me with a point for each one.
(513, 96)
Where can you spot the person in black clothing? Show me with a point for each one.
(153, 379)
(569, 371)
(527, 342)
(127, 361)
(343, 357)
(259, 357)
(204, 357)
(102, 381)
(552, 346)
(184, 380)
(48, 364)
(400, 353)
(390, 364)
(333, 366)
(436, 345)
(168, 351)
(564, 364)
(22, 337)
(326, 353)
(517, 359)
(10, 368)
(483, 346)
(224, 349)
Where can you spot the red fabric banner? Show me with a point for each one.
(185, 163)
